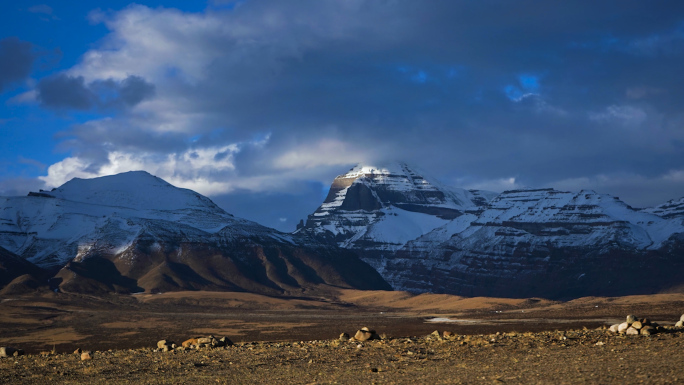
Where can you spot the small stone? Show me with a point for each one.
(623, 327)
(365, 334)
(435, 335)
(6, 352)
(637, 325)
(631, 319)
(614, 328)
(344, 337)
(631, 331)
(86, 356)
(600, 343)
(447, 334)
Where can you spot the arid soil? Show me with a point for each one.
(294, 340)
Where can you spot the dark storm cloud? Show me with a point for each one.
(16, 60)
(63, 91)
(474, 91)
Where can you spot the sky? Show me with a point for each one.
(259, 104)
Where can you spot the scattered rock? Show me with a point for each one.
(648, 330)
(623, 327)
(448, 335)
(637, 325)
(679, 324)
(631, 319)
(435, 335)
(204, 340)
(7, 351)
(365, 334)
(78, 351)
(86, 356)
(190, 342)
(631, 331)
(344, 337)
(614, 328)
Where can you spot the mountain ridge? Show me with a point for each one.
(525, 242)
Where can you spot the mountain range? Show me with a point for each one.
(425, 237)
(390, 227)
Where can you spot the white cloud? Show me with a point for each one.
(497, 185)
(191, 169)
(626, 115)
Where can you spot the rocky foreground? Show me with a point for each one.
(559, 357)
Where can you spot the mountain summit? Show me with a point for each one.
(377, 210)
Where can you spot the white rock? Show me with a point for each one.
(623, 327)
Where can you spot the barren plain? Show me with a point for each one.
(294, 339)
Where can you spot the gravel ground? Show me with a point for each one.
(554, 357)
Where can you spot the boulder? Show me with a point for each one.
(86, 356)
(205, 340)
(679, 324)
(447, 335)
(190, 342)
(7, 351)
(631, 331)
(78, 351)
(225, 341)
(647, 330)
(645, 321)
(344, 337)
(435, 335)
(365, 334)
(623, 327)
(614, 328)
(631, 319)
(637, 325)
(162, 343)
(681, 318)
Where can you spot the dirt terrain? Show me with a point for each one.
(294, 340)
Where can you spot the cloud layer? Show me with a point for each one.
(267, 96)
(16, 60)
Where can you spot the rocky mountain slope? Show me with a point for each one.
(134, 232)
(520, 243)
(376, 210)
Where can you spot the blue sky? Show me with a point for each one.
(259, 104)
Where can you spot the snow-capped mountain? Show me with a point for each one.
(50, 228)
(379, 209)
(520, 243)
(134, 232)
(670, 209)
